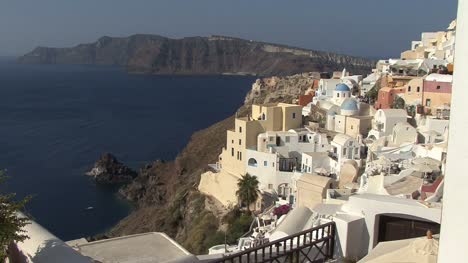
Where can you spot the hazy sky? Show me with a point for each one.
(377, 28)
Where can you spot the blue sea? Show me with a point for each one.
(55, 122)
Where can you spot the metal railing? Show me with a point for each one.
(313, 245)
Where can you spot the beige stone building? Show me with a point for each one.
(279, 117)
(232, 164)
(358, 125)
(433, 45)
(312, 189)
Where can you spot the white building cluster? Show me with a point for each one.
(377, 172)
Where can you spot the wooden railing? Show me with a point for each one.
(313, 245)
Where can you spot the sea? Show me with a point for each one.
(56, 120)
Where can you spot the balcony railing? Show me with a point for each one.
(313, 245)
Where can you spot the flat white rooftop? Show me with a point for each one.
(140, 248)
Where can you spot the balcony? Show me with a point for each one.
(287, 164)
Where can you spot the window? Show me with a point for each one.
(240, 129)
(352, 127)
(270, 138)
(344, 151)
(428, 102)
(240, 156)
(337, 95)
(409, 88)
(294, 115)
(273, 164)
(356, 151)
(232, 152)
(252, 162)
(265, 163)
(438, 87)
(270, 186)
(287, 138)
(418, 89)
(232, 141)
(240, 142)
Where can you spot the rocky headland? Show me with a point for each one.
(155, 54)
(166, 191)
(108, 170)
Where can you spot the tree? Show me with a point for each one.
(372, 94)
(11, 224)
(247, 191)
(398, 103)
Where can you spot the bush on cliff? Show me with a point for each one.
(11, 225)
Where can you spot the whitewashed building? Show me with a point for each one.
(344, 147)
(385, 120)
(276, 160)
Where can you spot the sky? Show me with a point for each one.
(369, 28)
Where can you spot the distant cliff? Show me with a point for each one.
(198, 55)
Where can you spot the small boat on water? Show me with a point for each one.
(89, 208)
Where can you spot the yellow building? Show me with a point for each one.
(358, 125)
(413, 91)
(232, 164)
(278, 117)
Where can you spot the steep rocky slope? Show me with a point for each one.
(197, 55)
(166, 192)
(280, 89)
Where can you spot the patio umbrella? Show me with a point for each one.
(321, 170)
(424, 168)
(426, 160)
(415, 250)
(382, 161)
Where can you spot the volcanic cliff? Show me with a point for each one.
(155, 54)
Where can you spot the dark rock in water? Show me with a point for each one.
(109, 170)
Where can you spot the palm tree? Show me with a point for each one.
(247, 191)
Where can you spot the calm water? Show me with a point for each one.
(55, 121)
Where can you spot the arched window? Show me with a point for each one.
(409, 88)
(418, 89)
(252, 162)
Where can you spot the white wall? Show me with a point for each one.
(340, 123)
(454, 231)
(43, 247)
(264, 173)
